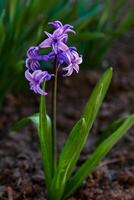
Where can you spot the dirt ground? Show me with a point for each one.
(21, 175)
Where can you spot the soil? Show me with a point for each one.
(21, 175)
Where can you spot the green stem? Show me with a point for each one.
(54, 102)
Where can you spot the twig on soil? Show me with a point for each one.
(10, 193)
(115, 160)
(107, 162)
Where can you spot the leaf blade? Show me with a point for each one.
(95, 101)
(96, 157)
(27, 120)
(45, 142)
(68, 159)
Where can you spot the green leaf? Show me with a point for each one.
(108, 131)
(2, 4)
(63, 8)
(27, 120)
(43, 124)
(105, 16)
(126, 23)
(12, 11)
(95, 101)
(68, 159)
(45, 138)
(118, 5)
(87, 17)
(86, 36)
(97, 156)
(31, 119)
(2, 31)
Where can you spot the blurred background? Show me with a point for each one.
(99, 23)
(105, 37)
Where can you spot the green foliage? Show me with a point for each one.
(98, 24)
(63, 183)
(79, 135)
(97, 155)
(23, 122)
(45, 139)
(68, 159)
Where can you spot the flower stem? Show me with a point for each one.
(54, 103)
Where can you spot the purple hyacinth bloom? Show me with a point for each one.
(73, 60)
(56, 41)
(33, 58)
(36, 79)
(67, 57)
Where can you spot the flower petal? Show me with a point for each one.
(55, 24)
(49, 34)
(28, 75)
(62, 46)
(79, 60)
(46, 43)
(40, 91)
(76, 67)
(70, 71)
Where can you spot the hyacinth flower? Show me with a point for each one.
(61, 181)
(33, 58)
(36, 79)
(58, 39)
(73, 60)
(59, 53)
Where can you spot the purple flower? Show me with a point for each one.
(67, 57)
(33, 58)
(56, 41)
(73, 60)
(36, 79)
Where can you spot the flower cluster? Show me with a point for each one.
(66, 56)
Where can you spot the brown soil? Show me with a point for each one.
(21, 176)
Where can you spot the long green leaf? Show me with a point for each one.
(86, 36)
(87, 17)
(97, 156)
(126, 23)
(12, 10)
(108, 131)
(68, 159)
(2, 31)
(105, 17)
(95, 101)
(43, 124)
(45, 142)
(2, 2)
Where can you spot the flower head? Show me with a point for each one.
(36, 79)
(67, 57)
